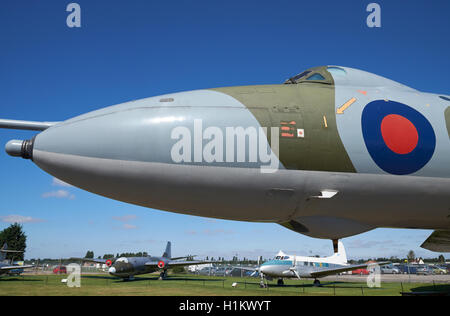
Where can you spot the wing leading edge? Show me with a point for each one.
(439, 241)
(181, 263)
(332, 271)
(100, 261)
(18, 267)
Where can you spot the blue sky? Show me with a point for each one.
(128, 50)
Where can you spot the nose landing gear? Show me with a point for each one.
(130, 278)
(163, 275)
(262, 283)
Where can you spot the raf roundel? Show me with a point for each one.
(399, 139)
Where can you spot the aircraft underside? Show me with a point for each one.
(292, 198)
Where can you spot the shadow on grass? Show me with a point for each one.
(19, 279)
(305, 285)
(138, 279)
(430, 290)
(99, 277)
(192, 279)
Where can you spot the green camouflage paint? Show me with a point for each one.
(308, 106)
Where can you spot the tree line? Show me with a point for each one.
(16, 239)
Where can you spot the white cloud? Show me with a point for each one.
(59, 194)
(129, 226)
(218, 232)
(20, 219)
(209, 232)
(59, 183)
(125, 218)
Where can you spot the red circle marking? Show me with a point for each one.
(161, 264)
(399, 134)
(108, 263)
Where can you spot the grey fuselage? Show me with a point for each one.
(136, 152)
(282, 268)
(131, 266)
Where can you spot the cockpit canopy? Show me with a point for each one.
(122, 259)
(282, 258)
(312, 75)
(345, 76)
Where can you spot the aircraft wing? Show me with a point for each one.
(332, 271)
(180, 263)
(26, 125)
(186, 257)
(16, 267)
(101, 261)
(247, 268)
(439, 241)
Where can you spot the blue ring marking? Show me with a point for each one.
(391, 162)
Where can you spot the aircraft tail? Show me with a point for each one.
(3, 252)
(168, 252)
(340, 256)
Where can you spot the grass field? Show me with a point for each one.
(191, 285)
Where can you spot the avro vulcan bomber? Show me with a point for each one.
(333, 152)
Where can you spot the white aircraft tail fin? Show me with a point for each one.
(341, 255)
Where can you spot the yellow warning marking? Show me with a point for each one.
(345, 106)
(325, 121)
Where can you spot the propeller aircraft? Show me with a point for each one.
(285, 266)
(8, 268)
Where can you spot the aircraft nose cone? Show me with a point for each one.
(112, 270)
(263, 269)
(14, 148)
(20, 148)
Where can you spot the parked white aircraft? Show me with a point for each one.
(292, 266)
